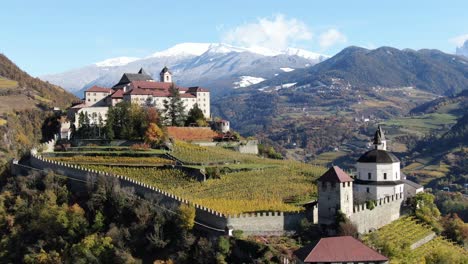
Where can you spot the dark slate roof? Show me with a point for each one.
(335, 174)
(379, 136)
(131, 77)
(412, 184)
(141, 71)
(378, 156)
(339, 249)
(165, 69)
(197, 89)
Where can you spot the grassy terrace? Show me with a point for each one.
(262, 185)
(406, 231)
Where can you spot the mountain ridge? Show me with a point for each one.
(427, 69)
(215, 65)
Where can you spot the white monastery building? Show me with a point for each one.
(139, 88)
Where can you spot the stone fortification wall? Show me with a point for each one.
(267, 223)
(387, 210)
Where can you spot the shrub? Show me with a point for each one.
(140, 146)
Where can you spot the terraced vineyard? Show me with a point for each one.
(282, 188)
(113, 160)
(189, 153)
(438, 243)
(406, 230)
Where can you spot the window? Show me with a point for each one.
(359, 175)
(396, 174)
(94, 93)
(369, 175)
(367, 189)
(385, 176)
(344, 184)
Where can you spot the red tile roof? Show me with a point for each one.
(342, 249)
(160, 89)
(118, 94)
(335, 174)
(99, 89)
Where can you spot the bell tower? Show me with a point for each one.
(165, 75)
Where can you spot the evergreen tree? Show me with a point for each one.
(195, 116)
(174, 108)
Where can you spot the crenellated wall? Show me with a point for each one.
(266, 223)
(387, 210)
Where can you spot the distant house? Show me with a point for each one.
(344, 249)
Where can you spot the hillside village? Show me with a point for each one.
(377, 194)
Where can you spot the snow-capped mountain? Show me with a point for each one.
(119, 61)
(463, 50)
(219, 66)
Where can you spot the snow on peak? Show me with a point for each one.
(119, 61)
(287, 69)
(305, 54)
(184, 49)
(197, 49)
(223, 48)
(246, 81)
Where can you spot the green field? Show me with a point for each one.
(251, 184)
(324, 159)
(424, 124)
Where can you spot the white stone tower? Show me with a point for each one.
(165, 75)
(378, 172)
(335, 191)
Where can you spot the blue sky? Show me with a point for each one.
(53, 36)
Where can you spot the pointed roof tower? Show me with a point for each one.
(379, 136)
(335, 174)
(141, 71)
(165, 69)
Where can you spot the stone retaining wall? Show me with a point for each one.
(265, 223)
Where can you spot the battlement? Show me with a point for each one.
(250, 223)
(380, 202)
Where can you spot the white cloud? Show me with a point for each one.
(459, 40)
(331, 37)
(275, 33)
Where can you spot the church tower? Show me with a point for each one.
(165, 75)
(378, 172)
(379, 139)
(335, 193)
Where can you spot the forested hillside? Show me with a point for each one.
(35, 91)
(25, 109)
